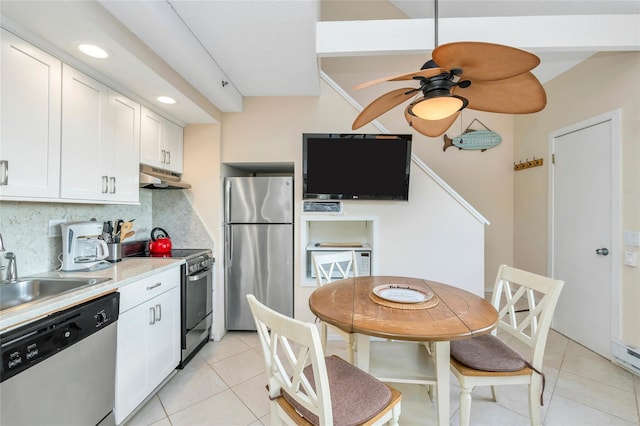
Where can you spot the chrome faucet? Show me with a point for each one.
(12, 268)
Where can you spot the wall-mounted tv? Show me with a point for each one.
(338, 166)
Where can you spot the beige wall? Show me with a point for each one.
(432, 236)
(484, 179)
(603, 83)
(202, 171)
(514, 202)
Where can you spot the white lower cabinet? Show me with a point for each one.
(148, 338)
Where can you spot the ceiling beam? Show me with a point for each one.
(160, 28)
(568, 33)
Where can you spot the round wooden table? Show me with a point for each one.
(458, 314)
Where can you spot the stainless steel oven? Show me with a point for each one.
(196, 289)
(196, 293)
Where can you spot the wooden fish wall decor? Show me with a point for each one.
(474, 139)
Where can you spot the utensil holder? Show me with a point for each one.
(115, 252)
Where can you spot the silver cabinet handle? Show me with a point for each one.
(151, 287)
(112, 185)
(4, 172)
(152, 316)
(159, 307)
(105, 184)
(164, 156)
(169, 157)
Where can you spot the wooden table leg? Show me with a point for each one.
(441, 359)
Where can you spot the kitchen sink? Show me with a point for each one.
(29, 290)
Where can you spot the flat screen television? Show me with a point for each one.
(338, 166)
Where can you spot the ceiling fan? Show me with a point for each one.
(481, 76)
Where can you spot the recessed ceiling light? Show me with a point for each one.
(165, 99)
(93, 51)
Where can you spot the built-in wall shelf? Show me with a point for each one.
(330, 246)
(337, 233)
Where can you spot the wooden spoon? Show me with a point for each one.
(125, 228)
(128, 235)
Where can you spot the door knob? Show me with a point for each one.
(602, 251)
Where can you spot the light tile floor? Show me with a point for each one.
(224, 385)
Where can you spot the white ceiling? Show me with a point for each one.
(479, 8)
(209, 54)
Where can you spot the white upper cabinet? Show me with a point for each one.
(29, 121)
(161, 142)
(123, 148)
(100, 141)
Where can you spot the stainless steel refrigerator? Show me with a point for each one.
(258, 236)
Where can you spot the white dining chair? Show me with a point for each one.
(329, 267)
(307, 388)
(525, 303)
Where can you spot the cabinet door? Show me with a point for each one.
(173, 144)
(148, 338)
(164, 336)
(161, 142)
(84, 106)
(122, 153)
(100, 141)
(29, 120)
(151, 144)
(132, 372)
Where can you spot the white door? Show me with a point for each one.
(583, 211)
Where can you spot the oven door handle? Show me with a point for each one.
(199, 276)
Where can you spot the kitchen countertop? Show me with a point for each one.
(127, 271)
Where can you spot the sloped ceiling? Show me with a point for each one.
(209, 54)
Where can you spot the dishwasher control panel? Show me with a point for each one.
(30, 344)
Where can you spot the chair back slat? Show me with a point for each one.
(525, 303)
(334, 265)
(289, 346)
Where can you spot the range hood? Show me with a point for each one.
(154, 178)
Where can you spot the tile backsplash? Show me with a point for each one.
(25, 225)
(174, 213)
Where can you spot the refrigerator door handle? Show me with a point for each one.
(227, 200)
(228, 246)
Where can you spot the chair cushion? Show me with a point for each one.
(486, 353)
(356, 396)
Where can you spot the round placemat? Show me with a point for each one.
(421, 305)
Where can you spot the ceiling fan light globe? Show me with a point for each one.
(436, 108)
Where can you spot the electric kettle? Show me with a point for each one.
(160, 241)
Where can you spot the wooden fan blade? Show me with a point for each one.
(522, 94)
(431, 128)
(428, 73)
(484, 61)
(383, 104)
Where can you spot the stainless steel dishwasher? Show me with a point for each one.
(60, 370)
